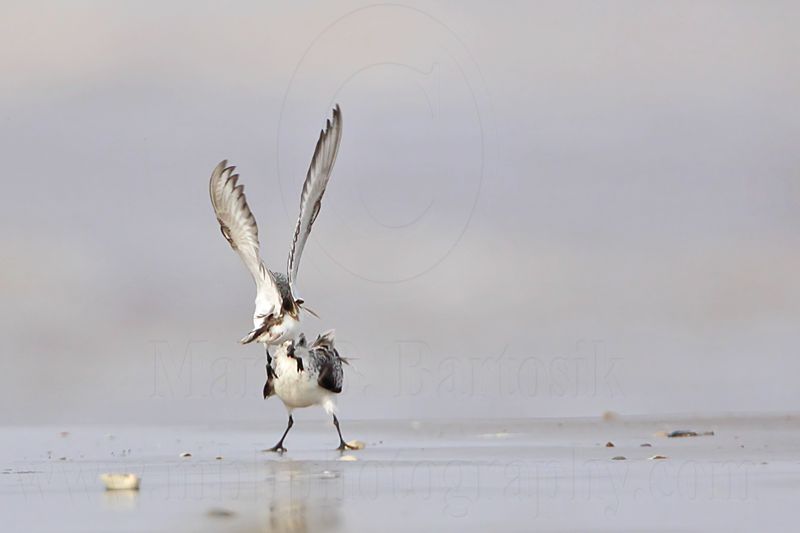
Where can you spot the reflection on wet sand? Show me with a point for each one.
(121, 500)
(297, 506)
(301, 496)
(300, 517)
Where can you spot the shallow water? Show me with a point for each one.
(455, 476)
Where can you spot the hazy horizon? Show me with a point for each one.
(538, 209)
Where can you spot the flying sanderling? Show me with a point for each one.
(304, 376)
(277, 311)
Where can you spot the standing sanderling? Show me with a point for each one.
(304, 376)
(276, 317)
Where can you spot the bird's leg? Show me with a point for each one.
(342, 444)
(279, 447)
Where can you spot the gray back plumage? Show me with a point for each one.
(283, 285)
(324, 360)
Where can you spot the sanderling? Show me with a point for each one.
(304, 376)
(277, 311)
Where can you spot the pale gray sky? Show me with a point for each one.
(539, 208)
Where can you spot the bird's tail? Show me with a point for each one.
(250, 337)
(325, 339)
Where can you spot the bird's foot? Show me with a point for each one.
(278, 448)
(344, 446)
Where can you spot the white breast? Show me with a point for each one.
(296, 389)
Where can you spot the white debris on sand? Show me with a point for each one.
(496, 435)
(356, 445)
(348, 458)
(120, 481)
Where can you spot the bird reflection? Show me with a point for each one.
(294, 497)
(305, 499)
(120, 500)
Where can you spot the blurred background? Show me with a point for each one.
(539, 208)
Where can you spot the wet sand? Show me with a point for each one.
(546, 475)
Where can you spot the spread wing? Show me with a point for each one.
(314, 187)
(238, 226)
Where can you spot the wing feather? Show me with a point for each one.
(314, 187)
(238, 226)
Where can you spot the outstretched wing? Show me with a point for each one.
(314, 187)
(238, 226)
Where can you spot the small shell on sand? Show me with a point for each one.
(609, 444)
(218, 458)
(186, 454)
(120, 481)
(681, 433)
(678, 433)
(655, 457)
(356, 445)
(618, 458)
(348, 458)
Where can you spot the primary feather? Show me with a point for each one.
(238, 226)
(314, 187)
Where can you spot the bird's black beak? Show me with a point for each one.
(300, 305)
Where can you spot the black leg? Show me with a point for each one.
(279, 447)
(342, 444)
